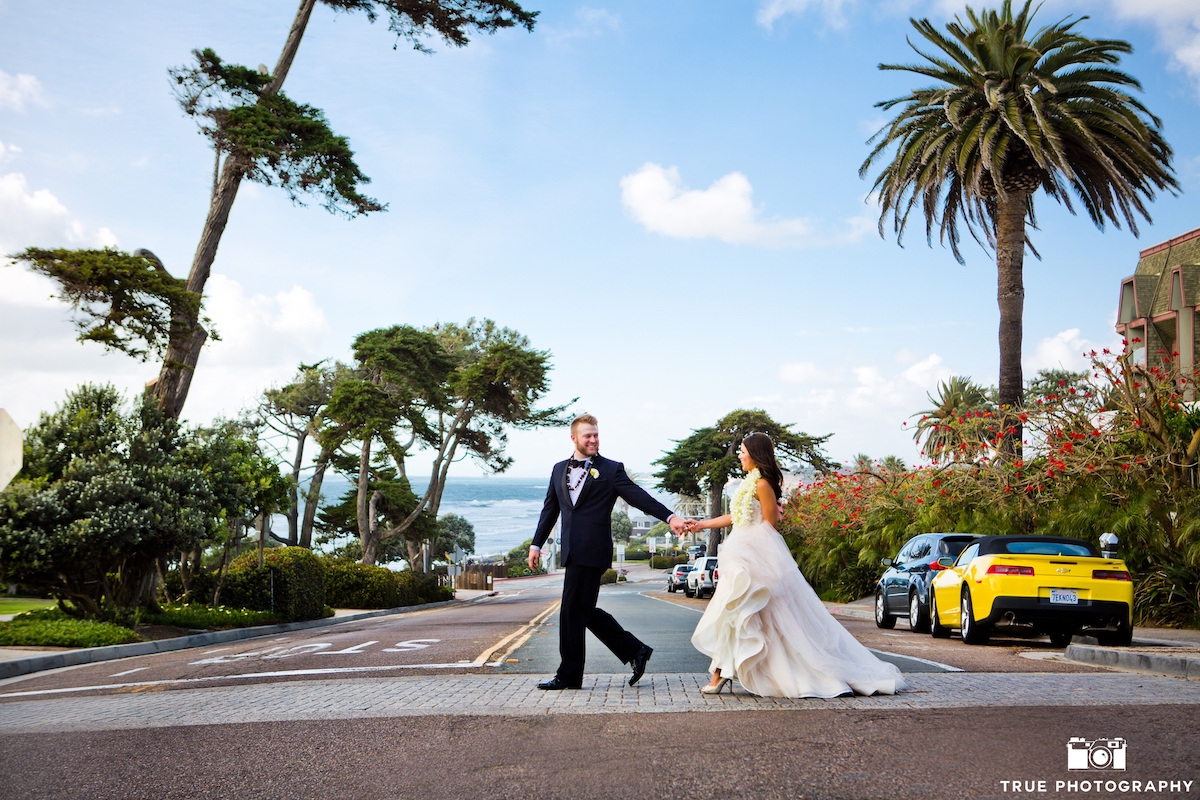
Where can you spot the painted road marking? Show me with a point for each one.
(355, 650)
(283, 673)
(409, 646)
(926, 661)
(127, 672)
(527, 630)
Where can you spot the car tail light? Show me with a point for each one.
(715, 571)
(1111, 575)
(1009, 569)
(934, 566)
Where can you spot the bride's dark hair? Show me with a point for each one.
(762, 450)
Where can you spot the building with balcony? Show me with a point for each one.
(1156, 313)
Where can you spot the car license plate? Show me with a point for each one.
(1068, 597)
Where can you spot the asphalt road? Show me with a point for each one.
(518, 630)
(950, 754)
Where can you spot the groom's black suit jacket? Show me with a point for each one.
(586, 538)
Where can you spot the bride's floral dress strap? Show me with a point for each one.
(741, 507)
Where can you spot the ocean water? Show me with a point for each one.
(504, 511)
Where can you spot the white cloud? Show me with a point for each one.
(1178, 25)
(38, 218)
(1063, 350)
(17, 91)
(656, 197)
(8, 150)
(588, 23)
(771, 11)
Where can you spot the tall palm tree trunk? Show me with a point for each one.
(187, 336)
(1010, 294)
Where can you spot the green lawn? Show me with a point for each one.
(19, 605)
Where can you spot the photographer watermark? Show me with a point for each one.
(1099, 756)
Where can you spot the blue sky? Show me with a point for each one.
(664, 195)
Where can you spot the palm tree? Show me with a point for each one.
(1011, 112)
(937, 426)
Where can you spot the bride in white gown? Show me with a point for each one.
(765, 626)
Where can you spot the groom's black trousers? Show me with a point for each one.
(581, 588)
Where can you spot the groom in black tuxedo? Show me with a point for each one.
(583, 490)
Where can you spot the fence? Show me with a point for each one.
(476, 576)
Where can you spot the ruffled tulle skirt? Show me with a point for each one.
(766, 626)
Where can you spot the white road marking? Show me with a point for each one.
(127, 672)
(409, 646)
(677, 605)
(483, 658)
(214, 650)
(283, 673)
(355, 650)
(938, 664)
(300, 650)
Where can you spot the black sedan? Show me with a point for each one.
(903, 591)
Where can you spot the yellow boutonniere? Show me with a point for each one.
(595, 473)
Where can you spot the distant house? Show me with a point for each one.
(642, 523)
(1156, 315)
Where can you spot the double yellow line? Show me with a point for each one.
(515, 639)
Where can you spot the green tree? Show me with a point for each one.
(260, 134)
(622, 527)
(452, 531)
(704, 462)
(455, 390)
(943, 439)
(104, 494)
(1012, 111)
(296, 412)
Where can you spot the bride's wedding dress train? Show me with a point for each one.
(766, 626)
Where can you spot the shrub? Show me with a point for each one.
(291, 583)
(196, 615)
(349, 584)
(609, 576)
(522, 570)
(38, 631)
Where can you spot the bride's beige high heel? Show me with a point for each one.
(716, 688)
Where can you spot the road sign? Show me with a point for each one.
(11, 448)
(620, 553)
(652, 544)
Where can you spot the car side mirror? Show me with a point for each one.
(887, 562)
(945, 561)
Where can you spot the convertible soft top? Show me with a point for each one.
(1036, 545)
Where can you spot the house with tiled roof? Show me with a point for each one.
(1156, 314)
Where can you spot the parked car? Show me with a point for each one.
(677, 577)
(903, 590)
(696, 551)
(702, 579)
(1050, 584)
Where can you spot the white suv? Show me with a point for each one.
(703, 579)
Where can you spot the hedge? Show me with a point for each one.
(350, 584)
(197, 615)
(62, 632)
(291, 583)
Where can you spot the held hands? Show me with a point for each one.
(693, 525)
(679, 524)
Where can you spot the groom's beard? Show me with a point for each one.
(587, 452)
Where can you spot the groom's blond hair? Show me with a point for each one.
(583, 419)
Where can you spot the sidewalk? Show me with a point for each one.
(141, 706)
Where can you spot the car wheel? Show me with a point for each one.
(1061, 638)
(883, 617)
(687, 592)
(936, 627)
(972, 631)
(916, 616)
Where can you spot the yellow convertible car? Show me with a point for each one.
(1050, 584)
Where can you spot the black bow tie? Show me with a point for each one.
(573, 464)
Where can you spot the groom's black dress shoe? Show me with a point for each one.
(555, 683)
(639, 663)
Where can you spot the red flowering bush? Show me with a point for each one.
(1117, 454)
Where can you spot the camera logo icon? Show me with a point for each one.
(1095, 753)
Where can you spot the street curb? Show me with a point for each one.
(1160, 663)
(845, 610)
(89, 655)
